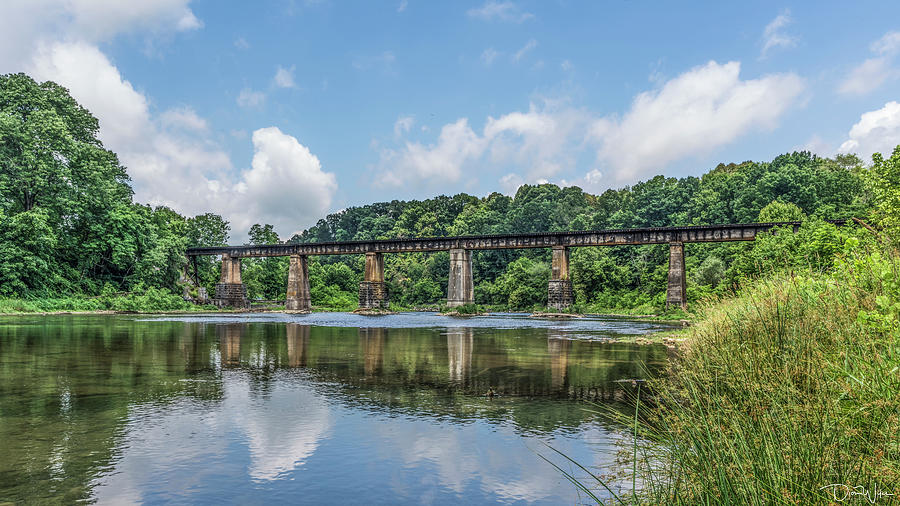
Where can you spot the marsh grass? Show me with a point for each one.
(785, 388)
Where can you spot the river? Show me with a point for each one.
(322, 408)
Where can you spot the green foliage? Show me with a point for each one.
(872, 273)
(265, 278)
(142, 300)
(883, 182)
(207, 230)
(814, 245)
(777, 211)
(26, 247)
(711, 271)
(523, 286)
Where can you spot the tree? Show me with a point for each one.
(883, 182)
(777, 211)
(265, 278)
(53, 164)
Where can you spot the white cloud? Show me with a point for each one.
(285, 185)
(594, 177)
(403, 125)
(489, 55)
(403, 5)
(184, 118)
(877, 131)
(26, 24)
(440, 162)
(531, 44)
(249, 98)
(566, 65)
(875, 71)
(241, 43)
(887, 44)
(284, 77)
(541, 141)
(693, 114)
(816, 145)
(500, 11)
(510, 183)
(774, 35)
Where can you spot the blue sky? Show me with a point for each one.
(283, 111)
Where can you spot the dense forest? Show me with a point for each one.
(69, 226)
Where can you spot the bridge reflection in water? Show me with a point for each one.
(459, 354)
(465, 361)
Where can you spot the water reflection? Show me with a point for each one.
(230, 343)
(459, 353)
(297, 344)
(558, 349)
(371, 343)
(108, 409)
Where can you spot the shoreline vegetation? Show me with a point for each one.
(785, 391)
(125, 305)
(781, 390)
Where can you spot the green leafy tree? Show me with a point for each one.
(777, 211)
(883, 181)
(53, 164)
(207, 230)
(266, 278)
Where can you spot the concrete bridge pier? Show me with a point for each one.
(460, 287)
(297, 296)
(230, 291)
(676, 293)
(372, 291)
(559, 291)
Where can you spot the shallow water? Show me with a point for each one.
(319, 408)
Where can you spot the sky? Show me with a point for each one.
(283, 111)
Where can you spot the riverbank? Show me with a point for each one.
(782, 390)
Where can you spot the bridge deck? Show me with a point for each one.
(657, 235)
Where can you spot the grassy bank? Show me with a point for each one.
(782, 390)
(145, 301)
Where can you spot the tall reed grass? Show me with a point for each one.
(787, 392)
(784, 390)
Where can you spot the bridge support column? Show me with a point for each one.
(229, 290)
(460, 287)
(297, 296)
(372, 292)
(559, 291)
(676, 293)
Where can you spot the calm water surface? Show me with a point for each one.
(320, 408)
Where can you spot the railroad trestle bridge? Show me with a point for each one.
(230, 291)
